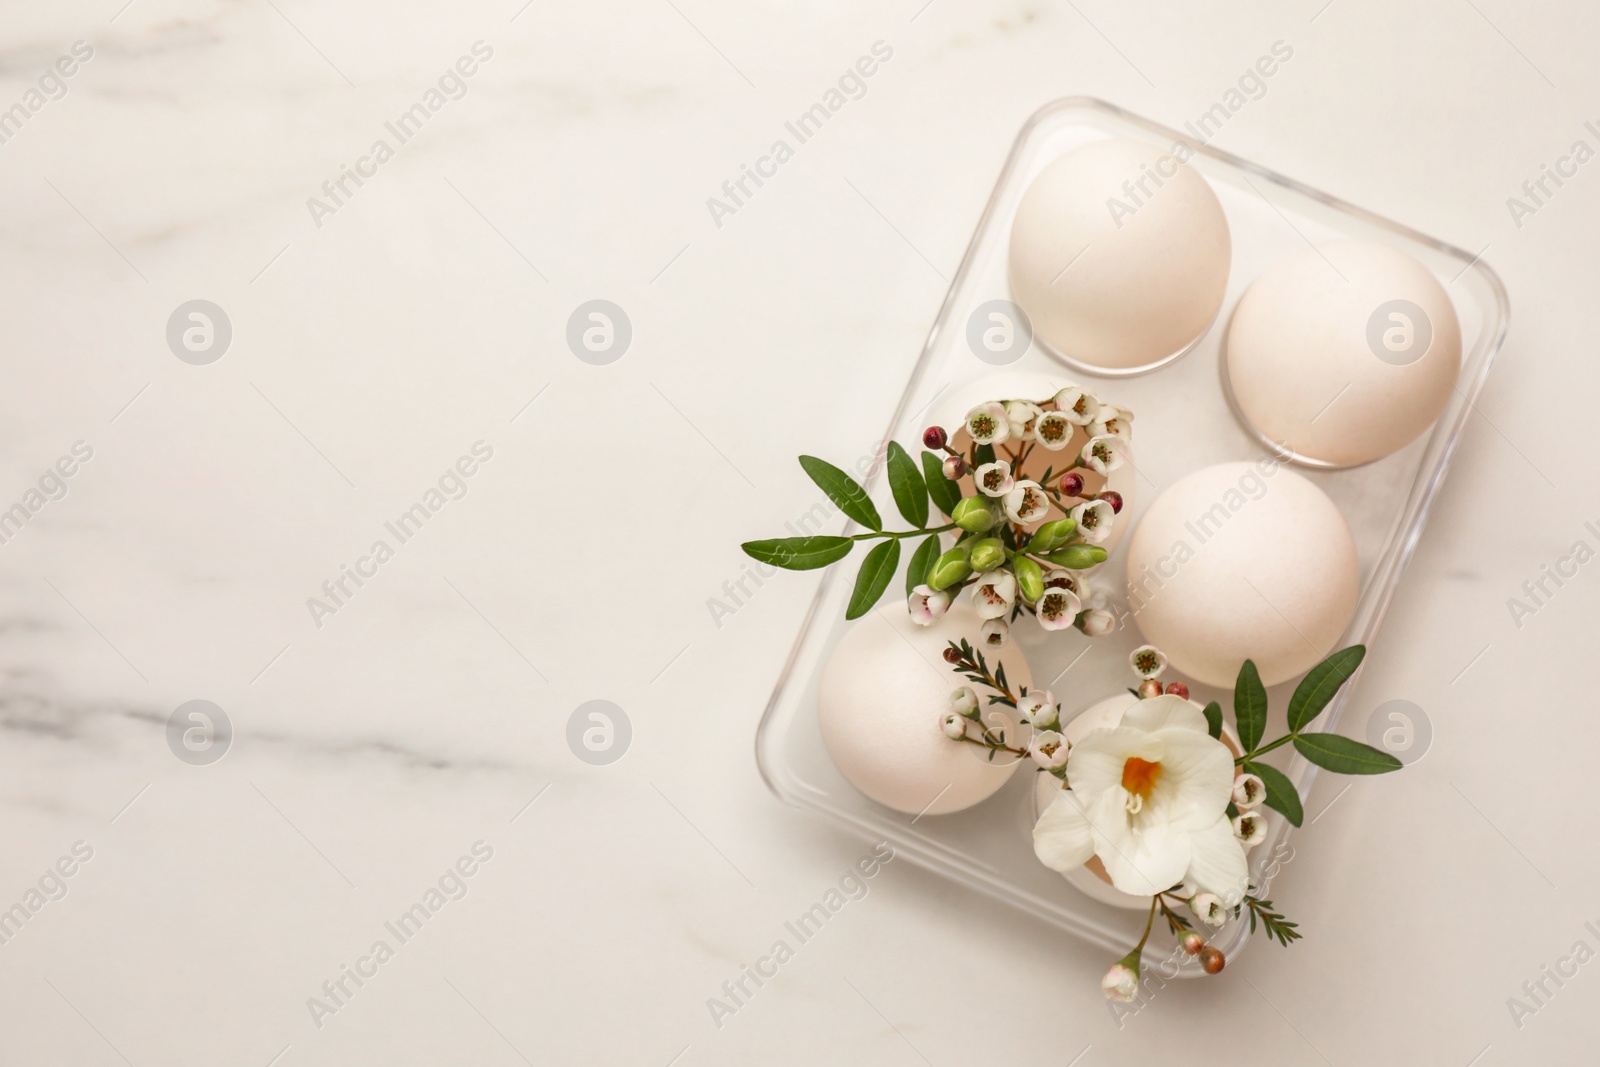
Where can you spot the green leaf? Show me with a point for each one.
(845, 492)
(1282, 796)
(1214, 719)
(1318, 687)
(983, 454)
(1341, 755)
(910, 495)
(922, 561)
(799, 553)
(946, 494)
(873, 577)
(1250, 706)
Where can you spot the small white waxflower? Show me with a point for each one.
(1250, 828)
(1208, 908)
(1102, 454)
(926, 604)
(1077, 581)
(1097, 622)
(987, 424)
(964, 702)
(1058, 609)
(994, 479)
(1112, 421)
(1021, 415)
(1049, 750)
(1147, 661)
(995, 594)
(1026, 503)
(1120, 984)
(995, 634)
(1053, 430)
(955, 727)
(1094, 519)
(1078, 406)
(1248, 792)
(1039, 708)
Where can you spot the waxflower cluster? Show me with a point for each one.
(1022, 523)
(1167, 801)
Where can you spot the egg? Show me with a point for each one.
(1119, 255)
(881, 701)
(1345, 353)
(1091, 879)
(1243, 561)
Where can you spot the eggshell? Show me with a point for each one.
(1243, 561)
(1344, 353)
(883, 695)
(950, 409)
(1112, 275)
(1091, 879)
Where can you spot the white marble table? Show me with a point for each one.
(413, 729)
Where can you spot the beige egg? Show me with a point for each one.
(1243, 561)
(883, 695)
(1091, 879)
(1345, 353)
(1120, 255)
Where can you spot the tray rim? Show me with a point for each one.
(1391, 566)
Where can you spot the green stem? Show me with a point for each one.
(1148, 922)
(902, 535)
(1279, 743)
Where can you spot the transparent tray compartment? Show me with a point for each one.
(1183, 422)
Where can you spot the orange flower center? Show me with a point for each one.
(1139, 776)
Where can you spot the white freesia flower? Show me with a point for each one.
(1097, 622)
(987, 424)
(1026, 503)
(1102, 454)
(994, 479)
(1049, 750)
(1248, 791)
(1208, 908)
(1039, 708)
(1094, 519)
(927, 604)
(1021, 415)
(1120, 984)
(1250, 828)
(1057, 609)
(1078, 406)
(995, 634)
(1053, 430)
(995, 594)
(1150, 798)
(955, 727)
(1147, 661)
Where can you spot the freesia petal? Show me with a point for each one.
(1165, 712)
(1142, 856)
(1217, 863)
(1096, 763)
(1061, 838)
(1196, 779)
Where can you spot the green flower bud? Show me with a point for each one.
(1030, 578)
(974, 514)
(1052, 535)
(949, 569)
(1077, 557)
(987, 554)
